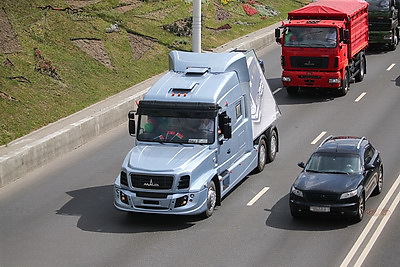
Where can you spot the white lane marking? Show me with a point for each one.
(371, 222)
(390, 67)
(276, 91)
(318, 138)
(262, 192)
(361, 96)
(378, 231)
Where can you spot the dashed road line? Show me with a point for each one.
(262, 192)
(360, 97)
(318, 138)
(390, 67)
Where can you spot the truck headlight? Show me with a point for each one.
(349, 194)
(334, 80)
(296, 191)
(286, 79)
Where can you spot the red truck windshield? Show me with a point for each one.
(325, 37)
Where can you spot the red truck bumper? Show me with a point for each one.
(311, 79)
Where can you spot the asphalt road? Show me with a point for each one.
(62, 214)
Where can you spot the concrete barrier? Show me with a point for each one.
(42, 146)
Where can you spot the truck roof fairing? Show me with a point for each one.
(180, 61)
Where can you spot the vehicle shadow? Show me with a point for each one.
(280, 218)
(94, 206)
(303, 97)
(397, 81)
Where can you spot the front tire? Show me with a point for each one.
(211, 199)
(262, 157)
(344, 88)
(360, 209)
(393, 45)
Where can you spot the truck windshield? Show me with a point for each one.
(310, 37)
(378, 5)
(176, 130)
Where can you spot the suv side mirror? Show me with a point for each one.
(369, 166)
(301, 164)
(346, 36)
(131, 122)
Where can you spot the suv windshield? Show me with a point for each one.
(378, 5)
(176, 130)
(310, 37)
(334, 163)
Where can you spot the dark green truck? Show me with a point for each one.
(383, 16)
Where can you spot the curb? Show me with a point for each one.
(43, 145)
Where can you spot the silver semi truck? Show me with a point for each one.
(199, 130)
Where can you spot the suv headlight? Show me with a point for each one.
(296, 191)
(349, 194)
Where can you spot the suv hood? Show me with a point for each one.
(332, 182)
(160, 158)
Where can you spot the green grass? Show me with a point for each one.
(41, 99)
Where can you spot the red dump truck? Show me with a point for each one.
(323, 46)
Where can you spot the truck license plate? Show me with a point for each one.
(320, 209)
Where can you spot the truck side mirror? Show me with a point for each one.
(346, 36)
(224, 124)
(278, 35)
(131, 122)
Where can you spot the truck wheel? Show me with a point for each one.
(344, 88)
(262, 157)
(292, 90)
(211, 199)
(272, 147)
(360, 75)
(393, 45)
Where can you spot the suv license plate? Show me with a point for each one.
(320, 209)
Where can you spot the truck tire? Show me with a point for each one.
(272, 147)
(344, 88)
(211, 199)
(262, 157)
(393, 45)
(292, 90)
(360, 75)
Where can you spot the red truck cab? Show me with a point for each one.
(323, 45)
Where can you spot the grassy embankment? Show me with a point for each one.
(40, 86)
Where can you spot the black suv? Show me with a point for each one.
(338, 178)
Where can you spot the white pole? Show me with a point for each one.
(196, 26)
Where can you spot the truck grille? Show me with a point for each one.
(309, 62)
(151, 181)
(379, 26)
(321, 197)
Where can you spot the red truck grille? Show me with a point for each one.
(309, 62)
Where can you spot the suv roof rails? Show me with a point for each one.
(325, 140)
(359, 142)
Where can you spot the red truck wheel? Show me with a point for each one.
(344, 88)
